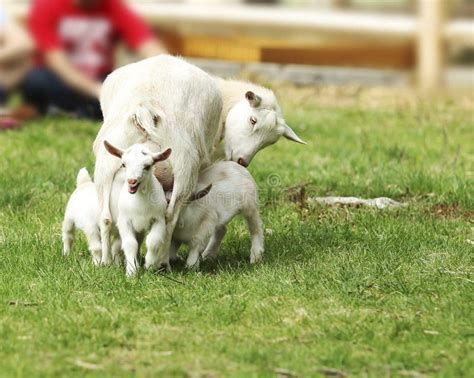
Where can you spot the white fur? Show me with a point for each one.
(82, 212)
(178, 106)
(202, 223)
(141, 208)
(242, 140)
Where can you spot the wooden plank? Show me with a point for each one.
(397, 57)
(276, 21)
(219, 48)
(340, 52)
(430, 52)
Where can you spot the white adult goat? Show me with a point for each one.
(176, 105)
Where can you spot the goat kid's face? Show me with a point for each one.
(137, 161)
(253, 124)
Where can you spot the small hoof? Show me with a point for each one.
(193, 267)
(96, 262)
(256, 259)
(209, 257)
(164, 268)
(131, 271)
(105, 263)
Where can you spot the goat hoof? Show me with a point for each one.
(150, 265)
(131, 270)
(105, 262)
(165, 267)
(254, 259)
(96, 262)
(209, 257)
(193, 266)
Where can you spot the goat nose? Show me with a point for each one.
(242, 162)
(132, 181)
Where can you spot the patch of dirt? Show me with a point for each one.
(451, 211)
(298, 194)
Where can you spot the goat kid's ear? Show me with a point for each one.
(160, 156)
(200, 194)
(288, 133)
(253, 99)
(113, 150)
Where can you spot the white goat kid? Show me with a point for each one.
(203, 223)
(174, 104)
(82, 212)
(141, 205)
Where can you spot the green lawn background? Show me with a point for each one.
(366, 292)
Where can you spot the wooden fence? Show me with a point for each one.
(310, 36)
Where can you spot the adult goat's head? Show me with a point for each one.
(252, 124)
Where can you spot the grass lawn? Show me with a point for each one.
(364, 292)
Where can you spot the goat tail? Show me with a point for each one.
(83, 177)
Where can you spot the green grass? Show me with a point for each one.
(366, 292)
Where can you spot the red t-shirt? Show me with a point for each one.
(87, 36)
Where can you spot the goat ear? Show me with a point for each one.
(200, 194)
(160, 156)
(113, 150)
(288, 133)
(253, 99)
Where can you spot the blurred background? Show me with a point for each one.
(424, 44)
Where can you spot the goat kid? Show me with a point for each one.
(203, 223)
(141, 205)
(82, 212)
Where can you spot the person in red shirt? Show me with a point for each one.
(76, 42)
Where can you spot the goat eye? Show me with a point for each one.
(123, 165)
(147, 168)
(253, 120)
